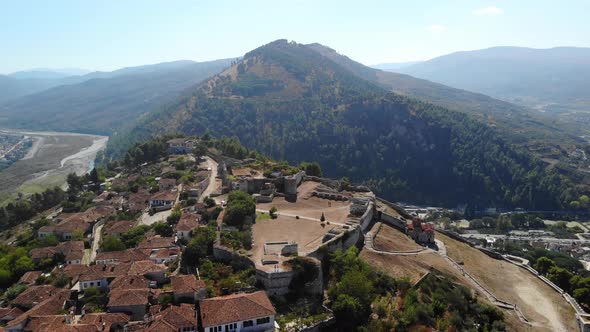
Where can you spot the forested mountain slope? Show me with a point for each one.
(519, 124)
(104, 102)
(291, 102)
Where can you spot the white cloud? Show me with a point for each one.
(437, 28)
(488, 11)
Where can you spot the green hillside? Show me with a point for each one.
(291, 102)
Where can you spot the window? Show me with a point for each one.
(92, 284)
(264, 320)
(248, 323)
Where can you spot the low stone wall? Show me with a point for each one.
(396, 207)
(331, 196)
(327, 182)
(393, 221)
(367, 217)
(341, 241)
(275, 283)
(292, 182)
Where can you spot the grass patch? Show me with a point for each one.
(262, 216)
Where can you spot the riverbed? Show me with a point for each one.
(51, 158)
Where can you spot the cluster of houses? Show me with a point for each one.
(133, 281)
(133, 304)
(69, 225)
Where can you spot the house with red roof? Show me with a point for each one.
(252, 312)
(187, 222)
(186, 288)
(174, 318)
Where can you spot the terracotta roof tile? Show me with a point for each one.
(118, 227)
(124, 256)
(166, 195)
(50, 306)
(174, 318)
(235, 308)
(157, 242)
(129, 282)
(128, 297)
(186, 283)
(144, 267)
(188, 221)
(30, 277)
(35, 294)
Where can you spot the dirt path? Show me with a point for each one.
(96, 235)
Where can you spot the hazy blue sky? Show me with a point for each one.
(105, 35)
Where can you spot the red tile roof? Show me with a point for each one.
(186, 284)
(118, 227)
(129, 282)
(165, 253)
(164, 196)
(128, 297)
(109, 319)
(174, 318)
(188, 221)
(50, 306)
(124, 256)
(104, 271)
(157, 242)
(145, 267)
(30, 277)
(14, 312)
(235, 308)
(72, 250)
(35, 294)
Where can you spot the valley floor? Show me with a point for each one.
(52, 156)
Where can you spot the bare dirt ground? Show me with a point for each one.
(308, 234)
(310, 207)
(390, 239)
(539, 302)
(51, 158)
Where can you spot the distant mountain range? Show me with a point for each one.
(392, 66)
(48, 73)
(102, 102)
(554, 80)
(306, 102)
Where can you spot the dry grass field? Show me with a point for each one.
(390, 239)
(539, 302)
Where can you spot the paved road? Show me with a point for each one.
(96, 235)
(214, 182)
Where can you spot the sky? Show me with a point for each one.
(107, 35)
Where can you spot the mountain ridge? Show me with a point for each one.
(404, 148)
